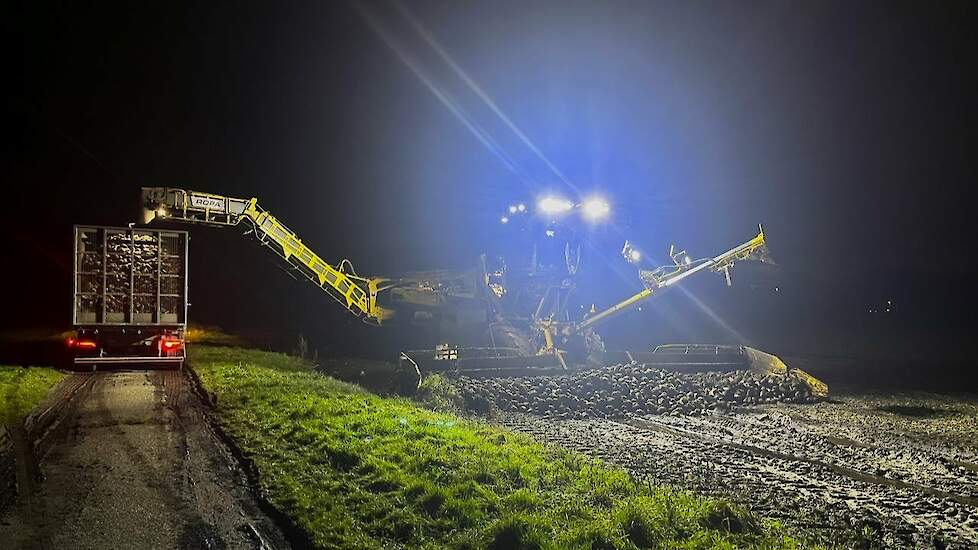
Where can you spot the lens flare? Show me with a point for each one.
(554, 205)
(595, 208)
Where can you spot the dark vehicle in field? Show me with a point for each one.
(524, 312)
(129, 302)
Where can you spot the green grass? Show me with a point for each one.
(211, 335)
(21, 389)
(437, 392)
(359, 471)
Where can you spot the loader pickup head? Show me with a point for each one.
(681, 358)
(707, 358)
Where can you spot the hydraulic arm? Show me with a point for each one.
(655, 281)
(357, 294)
(556, 334)
(684, 267)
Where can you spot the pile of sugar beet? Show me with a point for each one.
(627, 390)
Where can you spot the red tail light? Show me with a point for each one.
(85, 344)
(170, 343)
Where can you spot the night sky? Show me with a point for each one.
(847, 129)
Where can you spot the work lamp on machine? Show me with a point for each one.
(595, 208)
(631, 254)
(552, 205)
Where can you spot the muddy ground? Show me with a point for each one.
(135, 464)
(895, 470)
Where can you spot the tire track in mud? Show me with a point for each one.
(201, 454)
(813, 472)
(138, 466)
(853, 474)
(20, 458)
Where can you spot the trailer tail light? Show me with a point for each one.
(170, 343)
(81, 344)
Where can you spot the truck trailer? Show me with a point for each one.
(129, 300)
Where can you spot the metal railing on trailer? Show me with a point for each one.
(129, 295)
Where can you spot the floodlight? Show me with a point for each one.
(504, 219)
(521, 207)
(630, 253)
(554, 205)
(595, 208)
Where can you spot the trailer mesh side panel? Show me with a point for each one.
(125, 276)
(173, 271)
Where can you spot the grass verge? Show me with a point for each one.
(21, 389)
(211, 335)
(356, 470)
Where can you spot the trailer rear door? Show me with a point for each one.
(129, 277)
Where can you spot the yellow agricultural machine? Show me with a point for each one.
(539, 339)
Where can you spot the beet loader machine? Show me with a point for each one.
(528, 329)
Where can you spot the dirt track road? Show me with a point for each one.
(137, 467)
(903, 468)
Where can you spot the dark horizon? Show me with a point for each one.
(845, 129)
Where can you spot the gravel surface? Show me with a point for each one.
(901, 469)
(624, 390)
(138, 467)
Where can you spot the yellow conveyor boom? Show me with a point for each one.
(357, 294)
